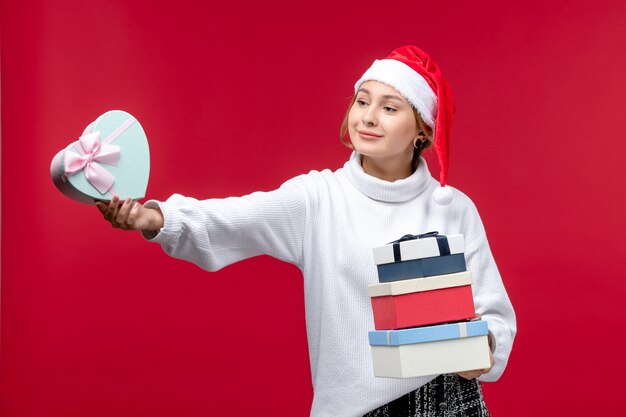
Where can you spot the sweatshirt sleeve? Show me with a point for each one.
(490, 297)
(215, 233)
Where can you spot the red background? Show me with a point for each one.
(237, 97)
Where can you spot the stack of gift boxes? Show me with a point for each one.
(424, 310)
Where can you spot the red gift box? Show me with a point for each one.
(422, 301)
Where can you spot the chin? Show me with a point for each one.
(368, 147)
(371, 151)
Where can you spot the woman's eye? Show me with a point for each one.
(390, 109)
(361, 102)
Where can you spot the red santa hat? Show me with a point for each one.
(414, 74)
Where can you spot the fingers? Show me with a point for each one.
(102, 207)
(117, 214)
(131, 220)
(129, 214)
(473, 374)
(123, 212)
(111, 211)
(468, 374)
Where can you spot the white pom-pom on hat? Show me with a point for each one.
(443, 195)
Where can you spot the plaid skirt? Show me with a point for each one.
(448, 395)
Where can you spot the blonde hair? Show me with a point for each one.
(421, 127)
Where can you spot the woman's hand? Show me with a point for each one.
(130, 215)
(478, 372)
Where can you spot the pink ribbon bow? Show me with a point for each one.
(94, 153)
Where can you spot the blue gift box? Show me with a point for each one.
(418, 268)
(420, 256)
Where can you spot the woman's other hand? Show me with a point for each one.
(478, 372)
(131, 215)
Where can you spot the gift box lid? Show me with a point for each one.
(418, 247)
(111, 157)
(428, 333)
(420, 284)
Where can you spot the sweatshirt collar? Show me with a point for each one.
(381, 190)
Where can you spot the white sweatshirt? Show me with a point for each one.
(327, 223)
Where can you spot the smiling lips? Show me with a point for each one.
(367, 134)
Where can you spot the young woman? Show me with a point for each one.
(327, 223)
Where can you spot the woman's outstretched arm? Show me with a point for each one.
(214, 233)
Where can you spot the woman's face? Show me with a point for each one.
(382, 124)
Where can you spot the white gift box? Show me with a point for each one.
(426, 247)
(430, 350)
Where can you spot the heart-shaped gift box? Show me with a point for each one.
(110, 158)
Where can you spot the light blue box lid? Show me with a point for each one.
(428, 333)
(130, 172)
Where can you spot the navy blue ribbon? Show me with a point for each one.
(442, 243)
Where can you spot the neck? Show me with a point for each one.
(389, 169)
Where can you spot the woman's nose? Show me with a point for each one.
(369, 118)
